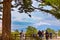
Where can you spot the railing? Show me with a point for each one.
(18, 37)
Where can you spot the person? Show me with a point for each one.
(47, 35)
(22, 35)
(50, 35)
(40, 34)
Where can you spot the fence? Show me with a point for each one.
(18, 37)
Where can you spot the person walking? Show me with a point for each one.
(22, 35)
(40, 34)
(47, 35)
(50, 35)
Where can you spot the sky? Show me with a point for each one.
(40, 20)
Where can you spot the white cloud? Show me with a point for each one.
(19, 16)
(24, 17)
(41, 23)
(52, 22)
(37, 18)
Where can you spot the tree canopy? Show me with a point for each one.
(31, 30)
(26, 6)
(58, 32)
(55, 4)
(50, 30)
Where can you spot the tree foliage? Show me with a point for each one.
(58, 32)
(55, 4)
(31, 30)
(28, 8)
(50, 30)
(16, 32)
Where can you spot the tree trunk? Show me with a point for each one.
(6, 20)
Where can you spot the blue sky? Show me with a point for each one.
(40, 20)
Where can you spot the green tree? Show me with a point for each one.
(55, 4)
(31, 30)
(58, 32)
(16, 31)
(50, 30)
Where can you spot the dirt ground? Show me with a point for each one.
(55, 39)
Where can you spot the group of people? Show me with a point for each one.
(47, 35)
(41, 35)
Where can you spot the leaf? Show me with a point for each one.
(29, 15)
(20, 11)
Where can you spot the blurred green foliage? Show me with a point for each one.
(31, 30)
(55, 4)
(50, 30)
(58, 32)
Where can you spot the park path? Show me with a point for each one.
(58, 38)
(55, 39)
(49, 39)
(44, 39)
